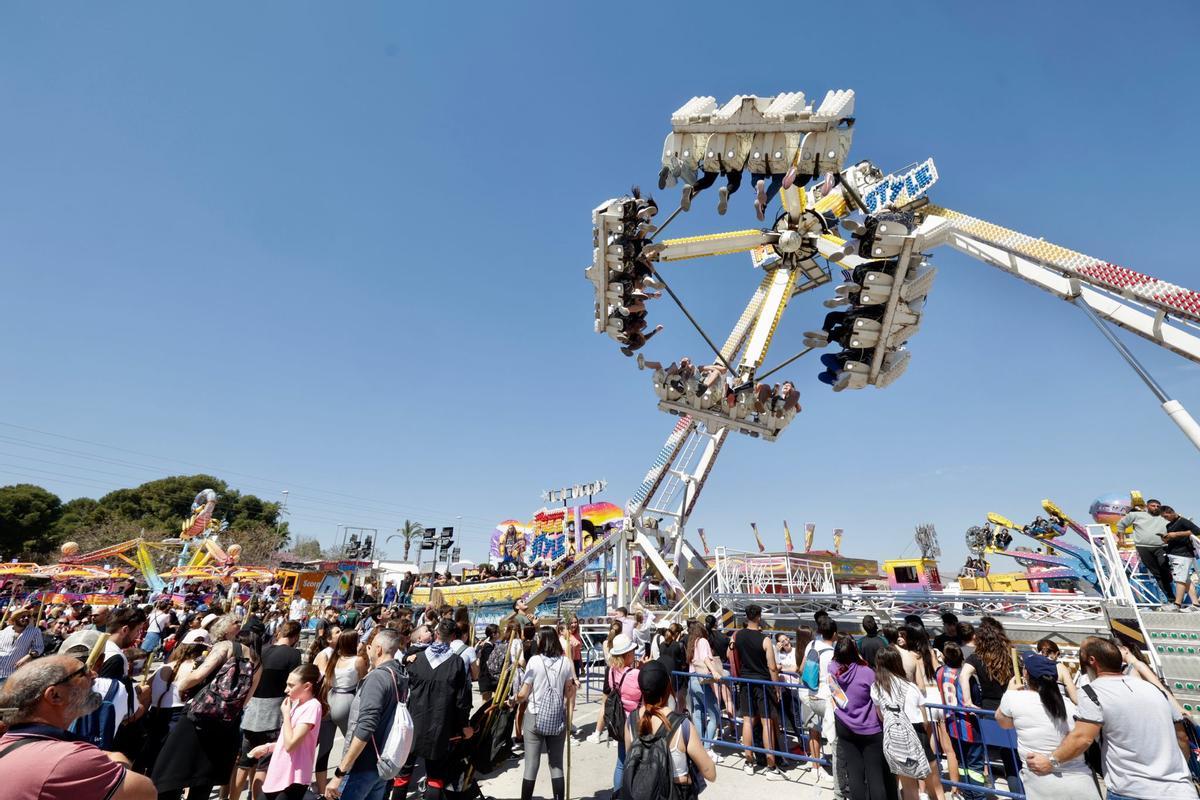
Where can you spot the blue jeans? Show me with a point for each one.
(619, 770)
(704, 709)
(364, 785)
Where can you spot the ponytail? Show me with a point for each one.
(1047, 689)
(650, 709)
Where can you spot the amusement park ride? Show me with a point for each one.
(797, 151)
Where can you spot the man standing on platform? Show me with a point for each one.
(1148, 530)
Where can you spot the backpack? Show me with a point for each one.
(225, 695)
(902, 746)
(810, 673)
(496, 659)
(398, 744)
(614, 713)
(99, 727)
(551, 714)
(648, 774)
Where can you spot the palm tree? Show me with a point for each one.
(410, 531)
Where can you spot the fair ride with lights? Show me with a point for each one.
(875, 231)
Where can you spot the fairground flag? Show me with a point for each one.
(787, 537)
(703, 541)
(810, 530)
(761, 547)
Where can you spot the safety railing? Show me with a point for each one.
(981, 749)
(777, 700)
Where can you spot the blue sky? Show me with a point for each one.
(339, 250)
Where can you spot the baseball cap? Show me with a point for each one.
(87, 639)
(197, 635)
(1039, 666)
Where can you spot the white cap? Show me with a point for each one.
(197, 635)
(209, 619)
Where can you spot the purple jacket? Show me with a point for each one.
(859, 714)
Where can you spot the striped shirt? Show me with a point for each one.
(15, 646)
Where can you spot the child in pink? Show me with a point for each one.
(294, 752)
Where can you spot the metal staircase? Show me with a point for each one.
(1174, 640)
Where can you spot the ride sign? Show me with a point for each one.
(899, 190)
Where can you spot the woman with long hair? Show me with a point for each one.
(623, 679)
(859, 730)
(895, 693)
(1066, 681)
(200, 750)
(1035, 707)
(165, 703)
(704, 668)
(548, 686)
(343, 671)
(614, 630)
(485, 647)
(991, 665)
(921, 663)
(688, 753)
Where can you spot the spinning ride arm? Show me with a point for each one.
(1164, 313)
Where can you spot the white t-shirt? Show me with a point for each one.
(120, 701)
(787, 665)
(904, 694)
(1037, 731)
(297, 608)
(466, 653)
(111, 649)
(549, 677)
(1141, 753)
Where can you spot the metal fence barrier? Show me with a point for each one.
(982, 748)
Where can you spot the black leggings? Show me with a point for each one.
(203, 790)
(862, 755)
(294, 792)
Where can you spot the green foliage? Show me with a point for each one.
(410, 531)
(307, 549)
(33, 521)
(28, 515)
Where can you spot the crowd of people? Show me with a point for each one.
(895, 709)
(151, 700)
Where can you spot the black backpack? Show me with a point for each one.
(614, 712)
(648, 774)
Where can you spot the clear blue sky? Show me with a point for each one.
(340, 249)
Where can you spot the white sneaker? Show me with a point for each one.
(715, 756)
(748, 768)
(775, 774)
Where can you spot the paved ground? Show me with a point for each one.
(592, 767)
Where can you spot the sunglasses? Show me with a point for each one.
(83, 670)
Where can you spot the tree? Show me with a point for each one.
(259, 543)
(28, 515)
(307, 549)
(410, 531)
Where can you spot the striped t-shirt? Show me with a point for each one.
(15, 646)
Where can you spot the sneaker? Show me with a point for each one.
(722, 199)
(748, 768)
(775, 774)
(716, 757)
(662, 177)
(641, 362)
(685, 199)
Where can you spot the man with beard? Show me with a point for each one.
(39, 758)
(1149, 530)
(20, 643)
